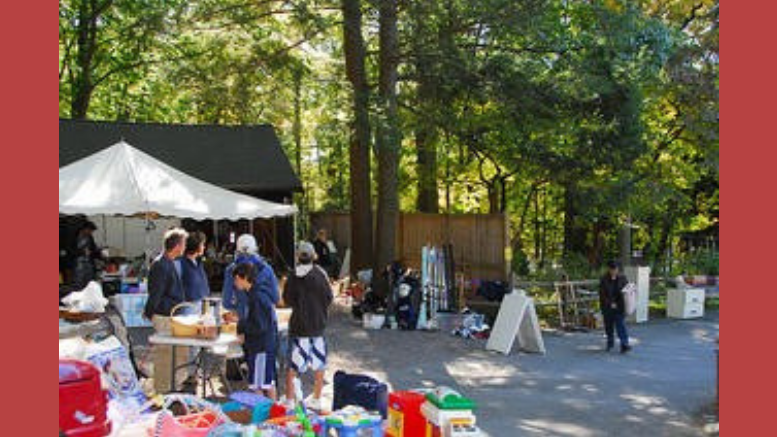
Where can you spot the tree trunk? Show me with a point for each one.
(595, 254)
(297, 127)
(428, 198)
(359, 153)
(537, 231)
(302, 217)
(666, 233)
(518, 237)
(574, 233)
(503, 195)
(493, 196)
(425, 130)
(81, 85)
(544, 228)
(388, 143)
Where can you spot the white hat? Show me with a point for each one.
(246, 243)
(306, 249)
(404, 290)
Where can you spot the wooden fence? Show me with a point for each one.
(479, 241)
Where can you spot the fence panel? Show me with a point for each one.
(479, 241)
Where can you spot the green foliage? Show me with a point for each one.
(570, 117)
(697, 262)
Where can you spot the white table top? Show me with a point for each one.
(222, 340)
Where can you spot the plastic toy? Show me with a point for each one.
(350, 420)
(405, 419)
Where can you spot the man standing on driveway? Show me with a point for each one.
(613, 306)
(165, 291)
(309, 295)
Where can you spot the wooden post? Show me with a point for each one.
(216, 235)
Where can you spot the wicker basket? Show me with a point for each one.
(180, 329)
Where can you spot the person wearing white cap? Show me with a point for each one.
(247, 251)
(309, 295)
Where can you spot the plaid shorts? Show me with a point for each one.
(307, 353)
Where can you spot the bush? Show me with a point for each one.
(698, 262)
(575, 266)
(520, 263)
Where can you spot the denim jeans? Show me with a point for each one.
(614, 321)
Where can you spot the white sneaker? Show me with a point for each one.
(314, 404)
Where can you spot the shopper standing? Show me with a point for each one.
(613, 306)
(324, 254)
(195, 280)
(86, 254)
(309, 295)
(247, 251)
(165, 291)
(195, 286)
(259, 331)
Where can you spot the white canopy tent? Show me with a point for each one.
(122, 180)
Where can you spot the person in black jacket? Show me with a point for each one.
(86, 254)
(324, 255)
(258, 330)
(193, 276)
(613, 306)
(165, 291)
(195, 285)
(309, 295)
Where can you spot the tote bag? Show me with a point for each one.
(630, 298)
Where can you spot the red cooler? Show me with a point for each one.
(83, 404)
(404, 415)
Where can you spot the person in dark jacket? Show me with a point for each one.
(195, 280)
(309, 295)
(195, 285)
(613, 306)
(87, 253)
(258, 330)
(165, 291)
(325, 257)
(247, 251)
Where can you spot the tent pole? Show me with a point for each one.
(294, 239)
(148, 241)
(105, 232)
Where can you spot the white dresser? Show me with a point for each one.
(685, 303)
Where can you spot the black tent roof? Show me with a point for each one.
(243, 158)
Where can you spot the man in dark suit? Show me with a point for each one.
(613, 306)
(165, 291)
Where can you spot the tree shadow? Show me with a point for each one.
(576, 389)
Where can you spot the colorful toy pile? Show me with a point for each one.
(363, 408)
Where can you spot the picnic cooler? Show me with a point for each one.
(83, 404)
(404, 414)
